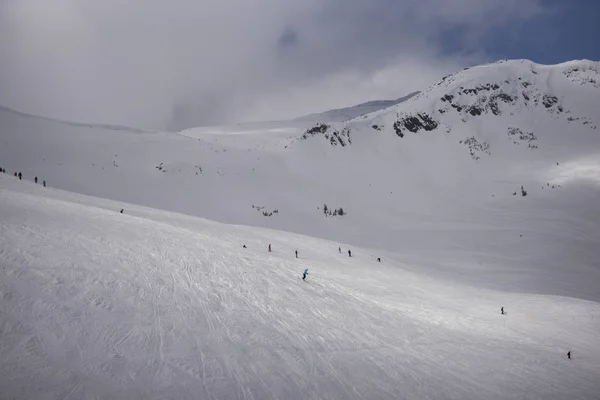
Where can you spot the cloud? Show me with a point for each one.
(174, 64)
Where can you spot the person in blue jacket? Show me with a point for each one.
(304, 274)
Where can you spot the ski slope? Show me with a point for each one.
(153, 304)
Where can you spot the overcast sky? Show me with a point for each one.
(171, 64)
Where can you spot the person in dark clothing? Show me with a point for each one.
(269, 247)
(340, 249)
(44, 183)
(121, 211)
(502, 310)
(20, 175)
(35, 179)
(244, 246)
(296, 253)
(349, 253)
(569, 354)
(378, 259)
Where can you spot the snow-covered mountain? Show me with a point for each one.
(454, 156)
(487, 183)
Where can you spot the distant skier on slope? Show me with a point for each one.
(569, 354)
(296, 253)
(304, 274)
(378, 259)
(269, 247)
(349, 253)
(502, 310)
(340, 249)
(20, 175)
(44, 183)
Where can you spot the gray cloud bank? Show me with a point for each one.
(180, 63)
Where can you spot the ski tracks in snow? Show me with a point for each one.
(99, 304)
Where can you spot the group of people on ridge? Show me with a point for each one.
(20, 176)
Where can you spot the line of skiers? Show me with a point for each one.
(305, 273)
(20, 176)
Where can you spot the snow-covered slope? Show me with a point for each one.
(151, 304)
(441, 196)
(347, 113)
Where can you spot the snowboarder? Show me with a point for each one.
(304, 274)
(36, 179)
(296, 253)
(244, 246)
(502, 310)
(378, 259)
(121, 211)
(349, 253)
(340, 249)
(44, 183)
(20, 175)
(269, 247)
(569, 354)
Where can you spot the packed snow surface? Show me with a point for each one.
(151, 304)
(479, 192)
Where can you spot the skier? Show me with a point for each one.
(20, 175)
(340, 249)
(569, 354)
(36, 179)
(378, 259)
(304, 274)
(44, 183)
(349, 253)
(269, 247)
(244, 246)
(296, 253)
(121, 211)
(502, 310)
